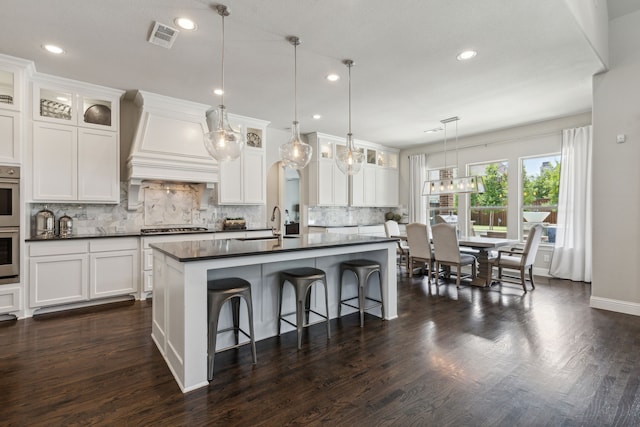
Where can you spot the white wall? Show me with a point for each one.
(616, 172)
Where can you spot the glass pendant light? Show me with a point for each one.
(295, 154)
(223, 142)
(349, 160)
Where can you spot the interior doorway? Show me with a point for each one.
(290, 181)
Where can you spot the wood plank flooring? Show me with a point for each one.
(467, 357)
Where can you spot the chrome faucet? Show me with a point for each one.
(277, 231)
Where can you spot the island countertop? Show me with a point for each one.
(212, 249)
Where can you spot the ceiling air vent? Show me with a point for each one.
(163, 35)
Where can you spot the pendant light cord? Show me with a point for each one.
(350, 99)
(295, 80)
(222, 73)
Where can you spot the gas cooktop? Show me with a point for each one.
(169, 230)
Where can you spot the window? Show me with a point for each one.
(488, 210)
(442, 207)
(540, 187)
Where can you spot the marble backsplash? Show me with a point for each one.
(163, 205)
(341, 216)
(179, 205)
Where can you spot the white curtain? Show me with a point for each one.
(572, 255)
(417, 211)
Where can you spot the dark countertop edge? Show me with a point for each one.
(130, 234)
(281, 250)
(352, 225)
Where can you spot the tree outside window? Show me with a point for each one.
(488, 210)
(540, 187)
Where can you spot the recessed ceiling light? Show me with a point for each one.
(333, 77)
(467, 54)
(53, 49)
(317, 116)
(218, 91)
(185, 24)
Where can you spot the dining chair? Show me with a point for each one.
(447, 250)
(521, 258)
(391, 229)
(419, 248)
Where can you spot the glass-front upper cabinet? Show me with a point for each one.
(55, 105)
(371, 157)
(94, 107)
(97, 112)
(254, 137)
(326, 149)
(392, 160)
(7, 88)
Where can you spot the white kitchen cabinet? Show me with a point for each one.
(79, 270)
(243, 181)
(98, 166)
(12, 89)
(10, 136)
(58, 272)
(63, 101)
(114, 266)
(377, 183)
(9, 299)
(75, 164)
(328, 185)
(75, 149)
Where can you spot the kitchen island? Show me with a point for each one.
(181, 271)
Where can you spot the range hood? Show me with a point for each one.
(168, 145)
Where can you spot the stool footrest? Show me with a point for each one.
(378, 304)
(234, 329)
(304, 325)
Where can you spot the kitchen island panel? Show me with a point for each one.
(180, 314)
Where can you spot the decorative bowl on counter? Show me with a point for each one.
(234, 224)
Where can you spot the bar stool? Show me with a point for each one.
(220, 291)
(363, 269)
(302, 279)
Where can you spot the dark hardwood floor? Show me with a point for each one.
(466, 357)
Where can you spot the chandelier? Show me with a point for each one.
(457, 184)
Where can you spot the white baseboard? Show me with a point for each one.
(618, 306)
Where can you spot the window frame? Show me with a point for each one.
(506, 206)
(521, 205)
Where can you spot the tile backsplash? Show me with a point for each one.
(163, 205)
(339, 216)
(179, 205)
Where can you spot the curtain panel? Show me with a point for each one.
(572, 254)
(417, 208)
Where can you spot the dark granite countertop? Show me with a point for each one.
(213, 249)
(130, 234)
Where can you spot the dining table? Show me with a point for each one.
(483, 246)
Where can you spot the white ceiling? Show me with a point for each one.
(533, 61)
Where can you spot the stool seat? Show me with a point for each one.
(228, 285)
(363, 269)
(219, 291)
(308, 273)
(302, 279)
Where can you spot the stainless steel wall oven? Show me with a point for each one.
(9, 224)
